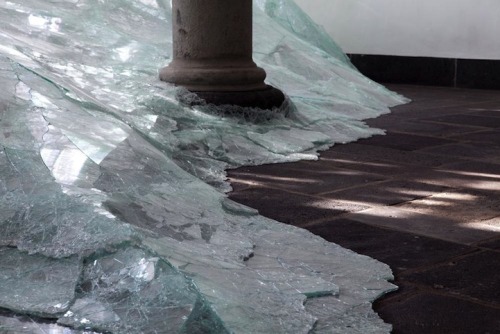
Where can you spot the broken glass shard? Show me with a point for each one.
(132, 291)
(113, 215)
(37, 284)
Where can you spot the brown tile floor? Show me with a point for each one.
(424, 199)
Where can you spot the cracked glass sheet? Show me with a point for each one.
(109, 181)
(36, 284)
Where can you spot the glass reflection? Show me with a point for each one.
(52, 24)
(65, 165)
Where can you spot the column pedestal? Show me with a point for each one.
(212, 54)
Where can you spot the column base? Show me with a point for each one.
(267, 98)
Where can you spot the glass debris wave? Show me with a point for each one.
(113, 216)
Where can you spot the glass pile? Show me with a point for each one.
(113, 216)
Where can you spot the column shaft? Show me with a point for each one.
(212, 52)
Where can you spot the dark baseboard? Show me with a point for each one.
(463, 73)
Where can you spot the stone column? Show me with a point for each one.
(212, 54)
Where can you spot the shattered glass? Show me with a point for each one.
(113, 216)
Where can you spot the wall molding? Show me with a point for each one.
(448, 72)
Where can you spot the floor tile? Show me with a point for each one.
(457, 179)
(491, 244)
(460, 95)
(437, 103)
(468, 119)
(361, 152)
(467, 151)
(436, 314)
(470, 174)
(292, 208)
(304, 178)
(461, 205)
(421, 224)
(490, 137)
(405, 142)
(493, 104)
(388, 193)
(417, 127)
(430, 109)
(476, 276)
(492, 225)
(479, 168)
(401, 251)
(492, 111)
(364, 164)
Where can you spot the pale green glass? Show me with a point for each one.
(113, 215)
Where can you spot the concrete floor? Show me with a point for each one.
(425, 199)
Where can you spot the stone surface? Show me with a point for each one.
(303, 177)
(212, 54)
(370, 165)
(437, 314)
(455, 178)
(459, 205)
(405, 142)
(491, 244)
(488, 122)
(418, 127)
(490, 137)
(492, 110)
(367, 153)
(212, 47)
(472, 276)
(467, 150)
(388, 193)
(402, 251)
(437, 226)
(474, 168)
(292, 208)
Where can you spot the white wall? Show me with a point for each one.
(432, 28)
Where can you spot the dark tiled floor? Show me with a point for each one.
(405, 142)
(424, 199)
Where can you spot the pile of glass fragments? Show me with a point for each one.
(113, 216)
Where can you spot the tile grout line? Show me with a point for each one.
(442, 263)
(422, 288)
